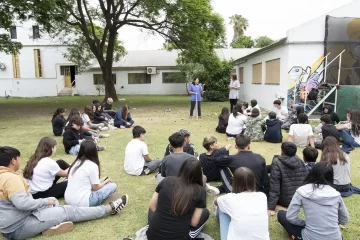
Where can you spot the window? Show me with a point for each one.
(65, 70)
(139, 78)
(257, 73)
(273, 72)
(173, 77)
(37, 60)
(98, 79)
(16, 66)
(13, 32)
(241, 77)
(36, 32)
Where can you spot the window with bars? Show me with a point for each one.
(38, 66)
(173, 77)
(65, 70)
(273, 72)
(16, 66)
(257, 73)
(139, 78)
(13, 32)
(98, 79)
(36, 31)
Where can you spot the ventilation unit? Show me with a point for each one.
(151, 70)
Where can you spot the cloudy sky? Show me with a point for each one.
(266, 17)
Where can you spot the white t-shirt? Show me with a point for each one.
(236, 125)
(134, 157)
(281, 113)
(44, 175)
(80, 183)
(86, 119)
(248, 212)
(356, 138)
(300, 134)
(234, 93)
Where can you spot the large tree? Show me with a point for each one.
(190, 26)
(263, 41)
(240, 24)
(243, 42)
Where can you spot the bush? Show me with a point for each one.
(215, 96)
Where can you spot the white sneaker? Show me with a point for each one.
(119, 204)
(104, 128)
(62, 228)
(104, 135)
(212, 190)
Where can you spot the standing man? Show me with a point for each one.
(234, 87)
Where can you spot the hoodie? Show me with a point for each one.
(324, 210)
(71, 138)
(273, 132)
(333, 116)
(16, 202)
(254, 128)
(287, 175)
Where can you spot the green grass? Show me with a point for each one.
(25, 121)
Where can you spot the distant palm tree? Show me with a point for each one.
(240, 24)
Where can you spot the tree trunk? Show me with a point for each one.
(110, 90)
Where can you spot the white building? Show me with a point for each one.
(276, 71)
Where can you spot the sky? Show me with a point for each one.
(266, 17)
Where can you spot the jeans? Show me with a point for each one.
(99, 196)
(293, 230)
(348, 141)
(75, 150)
(224, 220)
(192, 107)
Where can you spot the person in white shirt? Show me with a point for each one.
(87, 117)
(234, 87)
(237, 122)
(281, 111)
(243, 213)
(85, 188)
(301, 134)
(42, 173)
(248, 109)
(137, 159)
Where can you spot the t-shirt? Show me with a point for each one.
(234, 93)
(80, 183)
(172, 163)
(134, 157)
(86, 119)
(210, 170)
(281, 113)
(164, 225)
(44, 175)
(342, 172)
(198, 90)
(300, 134)
(356, 138)
(236, 125)
(248, 212)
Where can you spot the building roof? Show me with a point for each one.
(164, 58)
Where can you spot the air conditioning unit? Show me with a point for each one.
(151, 70)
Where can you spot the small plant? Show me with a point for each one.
(100, 88)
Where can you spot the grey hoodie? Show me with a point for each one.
(324, 210)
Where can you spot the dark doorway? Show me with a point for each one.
(72, 74)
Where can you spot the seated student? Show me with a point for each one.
(23, 217)
(288, 172)
(248, 109)
(237, 122)
(85, 188)
(188, 146)
(244, 158)
(255, 126)
(348, 111)
(223, 120)
(333, 116)
(310, 155)
(123, 118)
(137, 159)
(281, 111)
(108, 107)
(324, 209)
(295, 111)
(73, 137)
(88, 116)
(273, 132)
(98, 117)
(301, 134)
(42, 173)
(327, 129)
(210, 170)
(178, 206)
(58, 122)
(100, 109)
(244, 211)
(350, 132)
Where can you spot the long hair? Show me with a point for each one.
(87, 151)
(225, 114)
(355, 122)
(89, 111)
(244, 180)
(186, 186)
(321, 174)
(44, 149)
(331, 151)
(193, 81)
(97, 105)
(125, 112)
(57, 113)
(73, 113)
(237, 109)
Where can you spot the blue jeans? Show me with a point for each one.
(224, 220)
(348, 141)
(75, 150)
(99, 196)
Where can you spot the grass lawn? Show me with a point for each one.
(25, 121)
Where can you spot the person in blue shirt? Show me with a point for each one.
(123, 118)
(195, 90)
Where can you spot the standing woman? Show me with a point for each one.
(234, 87)
(58, 122)
(196, 91)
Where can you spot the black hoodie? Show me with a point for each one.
(333, 116)
(273, 132)
(71, 138)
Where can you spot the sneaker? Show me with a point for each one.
(104, 128)
(212, 190)
(104, 135)
(119, 204)
(101, 148)
(62, 228)
(146, 171)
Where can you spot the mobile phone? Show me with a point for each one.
(106, 178)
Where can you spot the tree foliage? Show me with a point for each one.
(240, 24)
(243, 42)
(263, 41)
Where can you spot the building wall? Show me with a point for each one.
(265, 94)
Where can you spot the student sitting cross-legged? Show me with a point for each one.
(288, 172)
(324, 209)
(123, 118)
(223, 120)
(237, 122)
(85, 188)
(137, 159)
(42, 173)
(273, 132)
(188, 146)
(23, 217)
(58, 122)
(301, 134)
(310, 155)
(255, 126)
(178, 206)
(244, 211)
